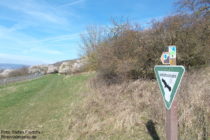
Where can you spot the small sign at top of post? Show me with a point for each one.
(165, 58)
(172, 54)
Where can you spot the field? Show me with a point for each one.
(41, 105)
(81, 107)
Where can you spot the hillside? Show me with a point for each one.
(81, 107)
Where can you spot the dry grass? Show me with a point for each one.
(121, 111)
(194, 106)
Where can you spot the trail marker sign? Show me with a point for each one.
(172, 52)
(169, 79)
(165, 58)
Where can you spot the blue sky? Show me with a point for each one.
(46, 31)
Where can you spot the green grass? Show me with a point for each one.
(65, 108)
(42, 104)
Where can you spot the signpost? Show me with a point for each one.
(169, 78)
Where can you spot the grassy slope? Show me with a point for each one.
(56, 106)
(41, 104)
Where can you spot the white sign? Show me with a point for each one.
(168, 80)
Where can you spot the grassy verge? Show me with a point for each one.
(42, 104)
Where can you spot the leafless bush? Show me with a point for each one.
(125, 51)
(19, 72)
(1, 77)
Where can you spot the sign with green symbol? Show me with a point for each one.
(165, 58)
(169, 79)
(172, 52)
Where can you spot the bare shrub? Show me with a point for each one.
(1, 77)
(93, 36)
(19, 72)
(196, 7)
(128, 52)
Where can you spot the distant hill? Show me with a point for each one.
(11, 66)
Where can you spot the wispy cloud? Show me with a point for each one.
(39, 31)
(36, 10)
(53, 48)
(20, 59)
(72, 3)
(62, 37)
(42, 50)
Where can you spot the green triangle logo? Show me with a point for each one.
(169, 79)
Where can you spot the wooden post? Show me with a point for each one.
(172, 122)
(171, 117)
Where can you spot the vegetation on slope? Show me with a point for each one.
(135, 110)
